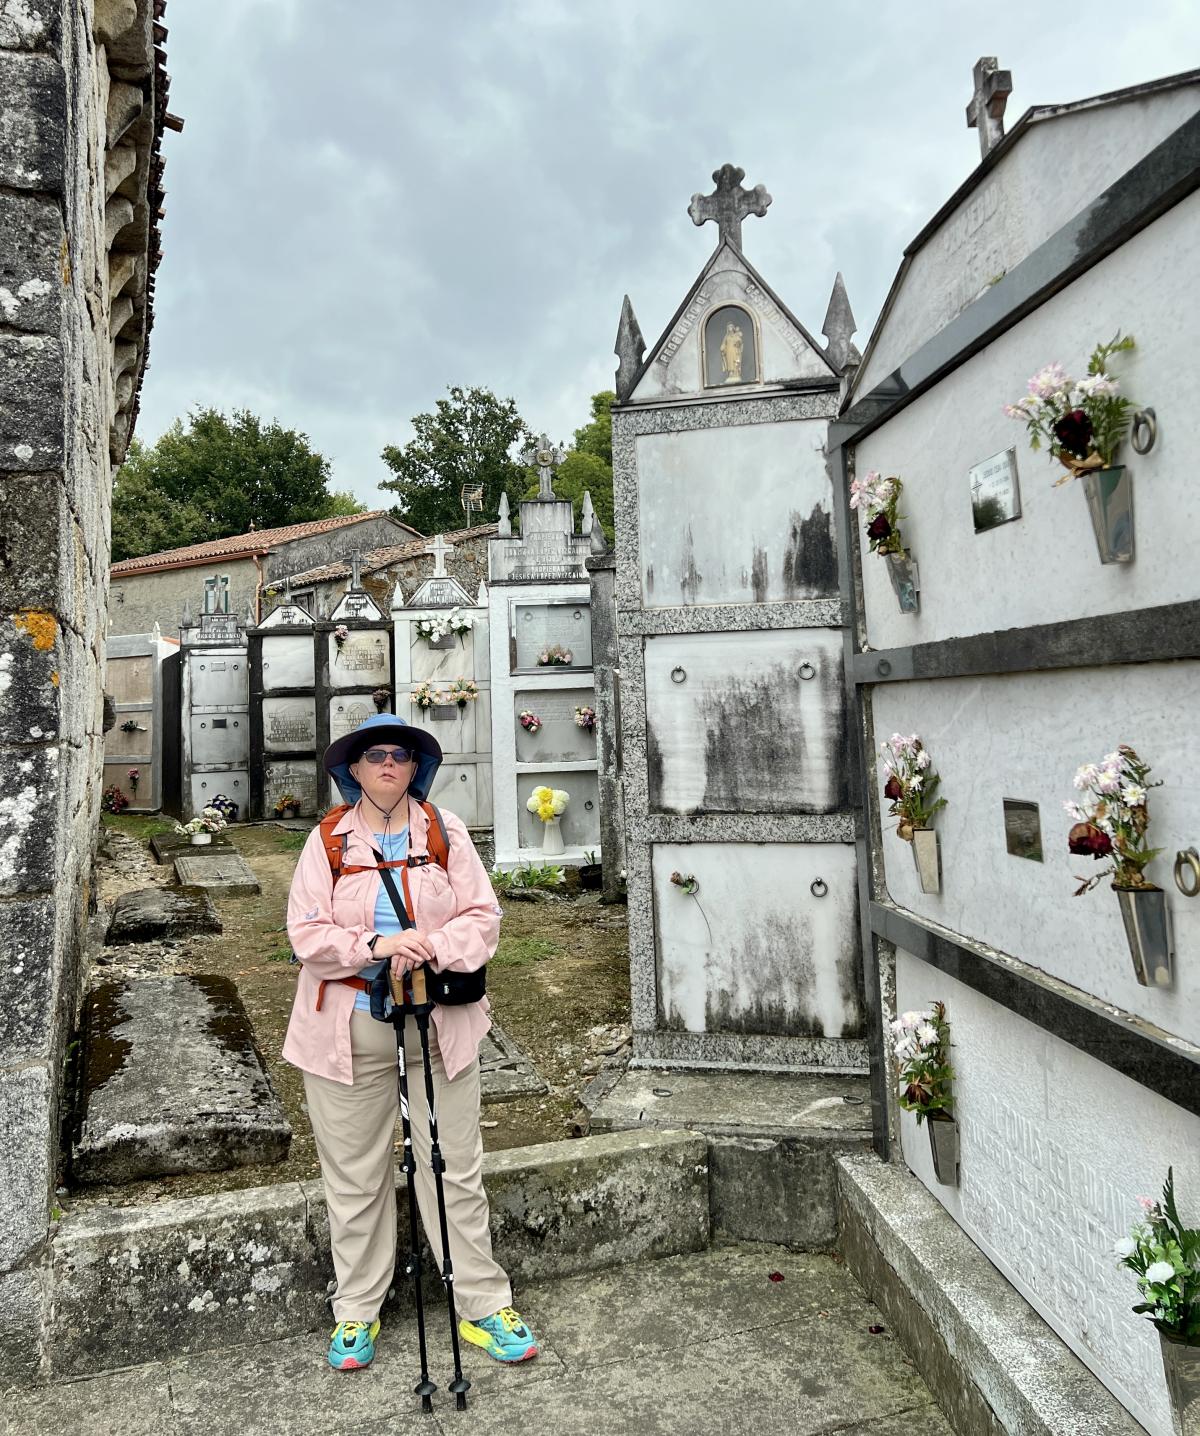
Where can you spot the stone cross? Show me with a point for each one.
(439, 548)
(985, 113)
(545, 458)
(356, 571)
(729, 203)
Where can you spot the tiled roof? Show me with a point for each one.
(379, 558)
(243, 545)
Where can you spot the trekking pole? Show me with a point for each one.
(422, 1007)
(424, 1388)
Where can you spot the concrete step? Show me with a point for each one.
(172, 1081)
(772, 1140)
(188, 1275)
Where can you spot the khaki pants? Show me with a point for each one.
(356, 1128)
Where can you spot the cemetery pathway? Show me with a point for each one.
(559, 986)
(734, 1339)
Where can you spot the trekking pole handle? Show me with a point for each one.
(419, 995)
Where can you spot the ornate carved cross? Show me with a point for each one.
(729, 203)
(545, 457)
(439, 548)
(985, 113)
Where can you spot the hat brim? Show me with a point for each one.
(383, 728)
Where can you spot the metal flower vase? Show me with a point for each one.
(552, 839)
(927, 854)
(1147, 920)
(1181, 1365)
(1109, 494)
(906, 580)
(943, 1144)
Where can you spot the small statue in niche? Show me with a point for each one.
(731, 353)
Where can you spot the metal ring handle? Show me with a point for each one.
(1144, 431)
(818, 887)
(1185, 859)
(807, 671)
(678, 675)
(883, 668)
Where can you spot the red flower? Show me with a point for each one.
(1074, 433)
(879, 528)
(1087, 840)
(893, 788)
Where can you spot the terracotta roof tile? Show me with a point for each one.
(378, 558)
(238, 545)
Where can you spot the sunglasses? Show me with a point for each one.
(379, 756)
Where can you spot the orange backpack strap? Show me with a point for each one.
(334, 843)
(438, 839)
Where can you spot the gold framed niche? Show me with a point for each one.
(730, 350)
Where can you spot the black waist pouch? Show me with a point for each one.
(447, 989)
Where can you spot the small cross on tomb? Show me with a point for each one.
(545, 457)
(729, 203)
(356, 571)
(985, 113)
(439, 548)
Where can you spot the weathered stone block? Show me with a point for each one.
(166, 847)
(31, 235)
(31, 419)
(27, 979)
(777, 1189)
(22, 1324)
(151, 913)
(132, 1282)
(31, 690)
(173, 1082)
(29, 803)
(33, 123)
(34, 541)
(26, 1162)
(31, 25)
(222, 872)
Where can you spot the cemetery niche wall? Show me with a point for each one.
(214, 712)
(1032, 652)
(738, 819)
(133, 746)
(443, 683)
(543, 687)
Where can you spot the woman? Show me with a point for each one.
(343, 933)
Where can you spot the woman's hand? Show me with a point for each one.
(405, 950)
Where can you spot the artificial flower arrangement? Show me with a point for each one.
(1112, 822)
(340, 634)
(548, 803)
(131, 725)
(135, 776)
(910, 785)
(113, 800)
(585, 718)
(381, 697)
(227, 808)
(529, 720)
(880, 498)
(556, 656)
(433, 627)
(209, 821)
(425, 695)
(1082, 421)
(689, 884)
(1165, 1256)
(922, 1046)
(286, 803)
(463, 691)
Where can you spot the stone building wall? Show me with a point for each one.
(140, 600)
(82, 113)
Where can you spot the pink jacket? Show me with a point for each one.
(329, 928)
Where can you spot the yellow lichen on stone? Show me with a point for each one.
(54, 678)
(41, 626)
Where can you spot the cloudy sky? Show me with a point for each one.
(374, 199)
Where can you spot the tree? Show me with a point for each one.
(216, 478)
(587, 467)
(467, 439)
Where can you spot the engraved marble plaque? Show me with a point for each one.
(219, 627)
(362, 661)
(346, 714)
(289, 725)
(1022, 829)
(298, 777)
(995, 493)
(580, 823)
(559, 739)
(537, 626)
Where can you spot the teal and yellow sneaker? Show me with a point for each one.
(352, 1345)
(503, 1335)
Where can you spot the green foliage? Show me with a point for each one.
(546, 875)
(280, 954)
(215, 478)
(922, 1043)
(291, 842)
(467, 439)
(1165, 1257)
(524, 951)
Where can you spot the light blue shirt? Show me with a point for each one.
(394, 848)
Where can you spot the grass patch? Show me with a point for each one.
(280, 954)
(523, 950)
(290, 842)
(137, 825)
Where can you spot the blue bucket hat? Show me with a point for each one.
(383, 728)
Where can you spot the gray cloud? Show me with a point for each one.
(376, 198)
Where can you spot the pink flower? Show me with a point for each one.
(1147, 1204)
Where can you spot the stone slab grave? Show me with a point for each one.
(227, 872)
(166, 847)
(506, 1070)
(173, 1082)
(152, 913)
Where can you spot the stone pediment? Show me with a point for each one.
(356, 604)
(441, 591)
(772, 348)
(287, 615)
